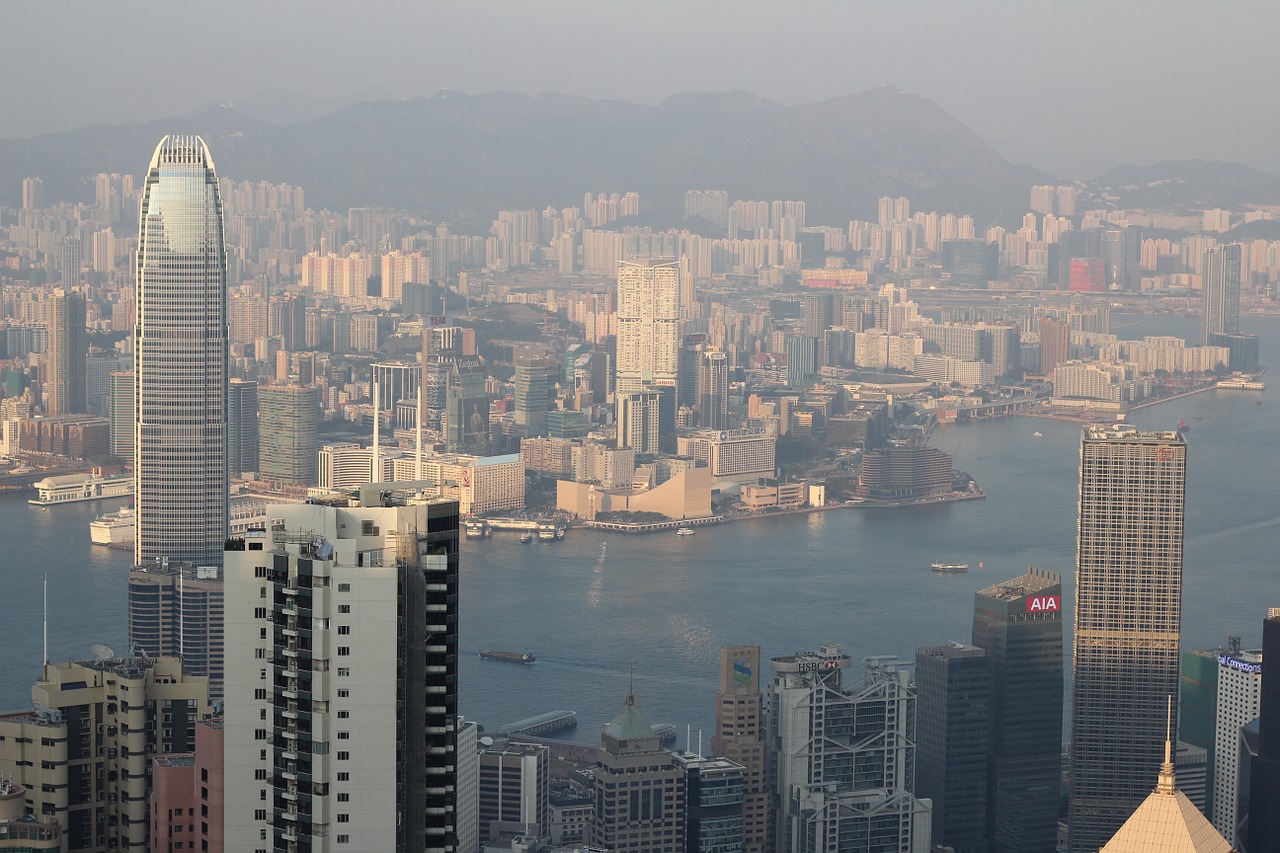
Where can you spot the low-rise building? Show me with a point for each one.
(767, 494)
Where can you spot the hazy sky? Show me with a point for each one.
(1069, 87)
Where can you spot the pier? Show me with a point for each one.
(552, 721)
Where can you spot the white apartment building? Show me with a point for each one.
(648, 323)
(332, 614)
(1239, 703)
(478, 483)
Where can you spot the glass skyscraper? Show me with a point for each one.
(1220, 313)
(1128, 619)
(180, 345)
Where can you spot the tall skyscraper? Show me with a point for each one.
(288, 421)
(639, 791)
(648, 323)
(68, 348)
(639, 420)
(1239, 702)
(1019, 624)
(1128, 621)
(713, 390)
(1221, 297)
(176, 610)
(32, 194)
(122, 385)
(242, 427)
(1264, 779)
(342, 680)
(1055, 344)
(953, 696)
(180, 347)
(739, 737)
(532, 382)
(466, 408)
(842, 757)
(514, 784)
(713, 795)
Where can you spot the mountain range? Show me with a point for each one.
(459, 157)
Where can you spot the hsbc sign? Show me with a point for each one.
(817, 665)
(1044, 603)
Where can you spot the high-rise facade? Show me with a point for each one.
(532, 383)
(639, 420)
(953, 696)
(176, 610)
(639, 791)
(648, 323)
(180, 351)
(514, 784)
(1264, 778)
(713, 390)
(1239, 702)
(1019, 624)
(242, 427)
(342, 680)
(1128, 621)
(120, 412)
(288, 423)
(66, 386)
(713, 792)
(739, 737)
(842, 758)
(1221, 293)
(83, 750)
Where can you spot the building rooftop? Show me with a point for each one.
(185, 759)
(630, 724)
(1167, 822)
(1033, 581)
(1128, 432)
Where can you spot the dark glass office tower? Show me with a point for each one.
(1019, 624)
(953, 703)
(1264, 781)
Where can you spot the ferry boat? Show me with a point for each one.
(509, 657)
(526, 538)
(950, 567)
(546, 531)
(476, 529)
(114, 528)
(684, 531)
(73, 488)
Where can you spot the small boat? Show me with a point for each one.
(526, 538)
(950, 567)
(684, 531)
(547, 531)
(475, 529)
(559, 532)
(509, 657)
(1183, 425)
(1038, 434)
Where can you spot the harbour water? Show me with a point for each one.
(594, 606)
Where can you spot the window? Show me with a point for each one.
(344, 715)
(343, 693)
(344, 587)
(260, 693)
(344, 608)
(344, 735)
(259, 571)
(344, 776)
(343, 651)
(344, 797)
(344, 629)
(343, 671)
(259, 814)
(259, 613)
(344, 756)
(344, 818)
(343, 839)
(260, 774)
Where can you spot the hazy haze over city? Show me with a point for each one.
(1072, 89)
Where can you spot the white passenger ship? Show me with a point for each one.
(114, 528)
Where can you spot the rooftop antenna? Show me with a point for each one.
(377, 418)
(417, 471)
(1166, 783)
(45, 663)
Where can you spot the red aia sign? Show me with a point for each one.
(1044, 603)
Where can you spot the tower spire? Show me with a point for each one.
(1165, 785)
